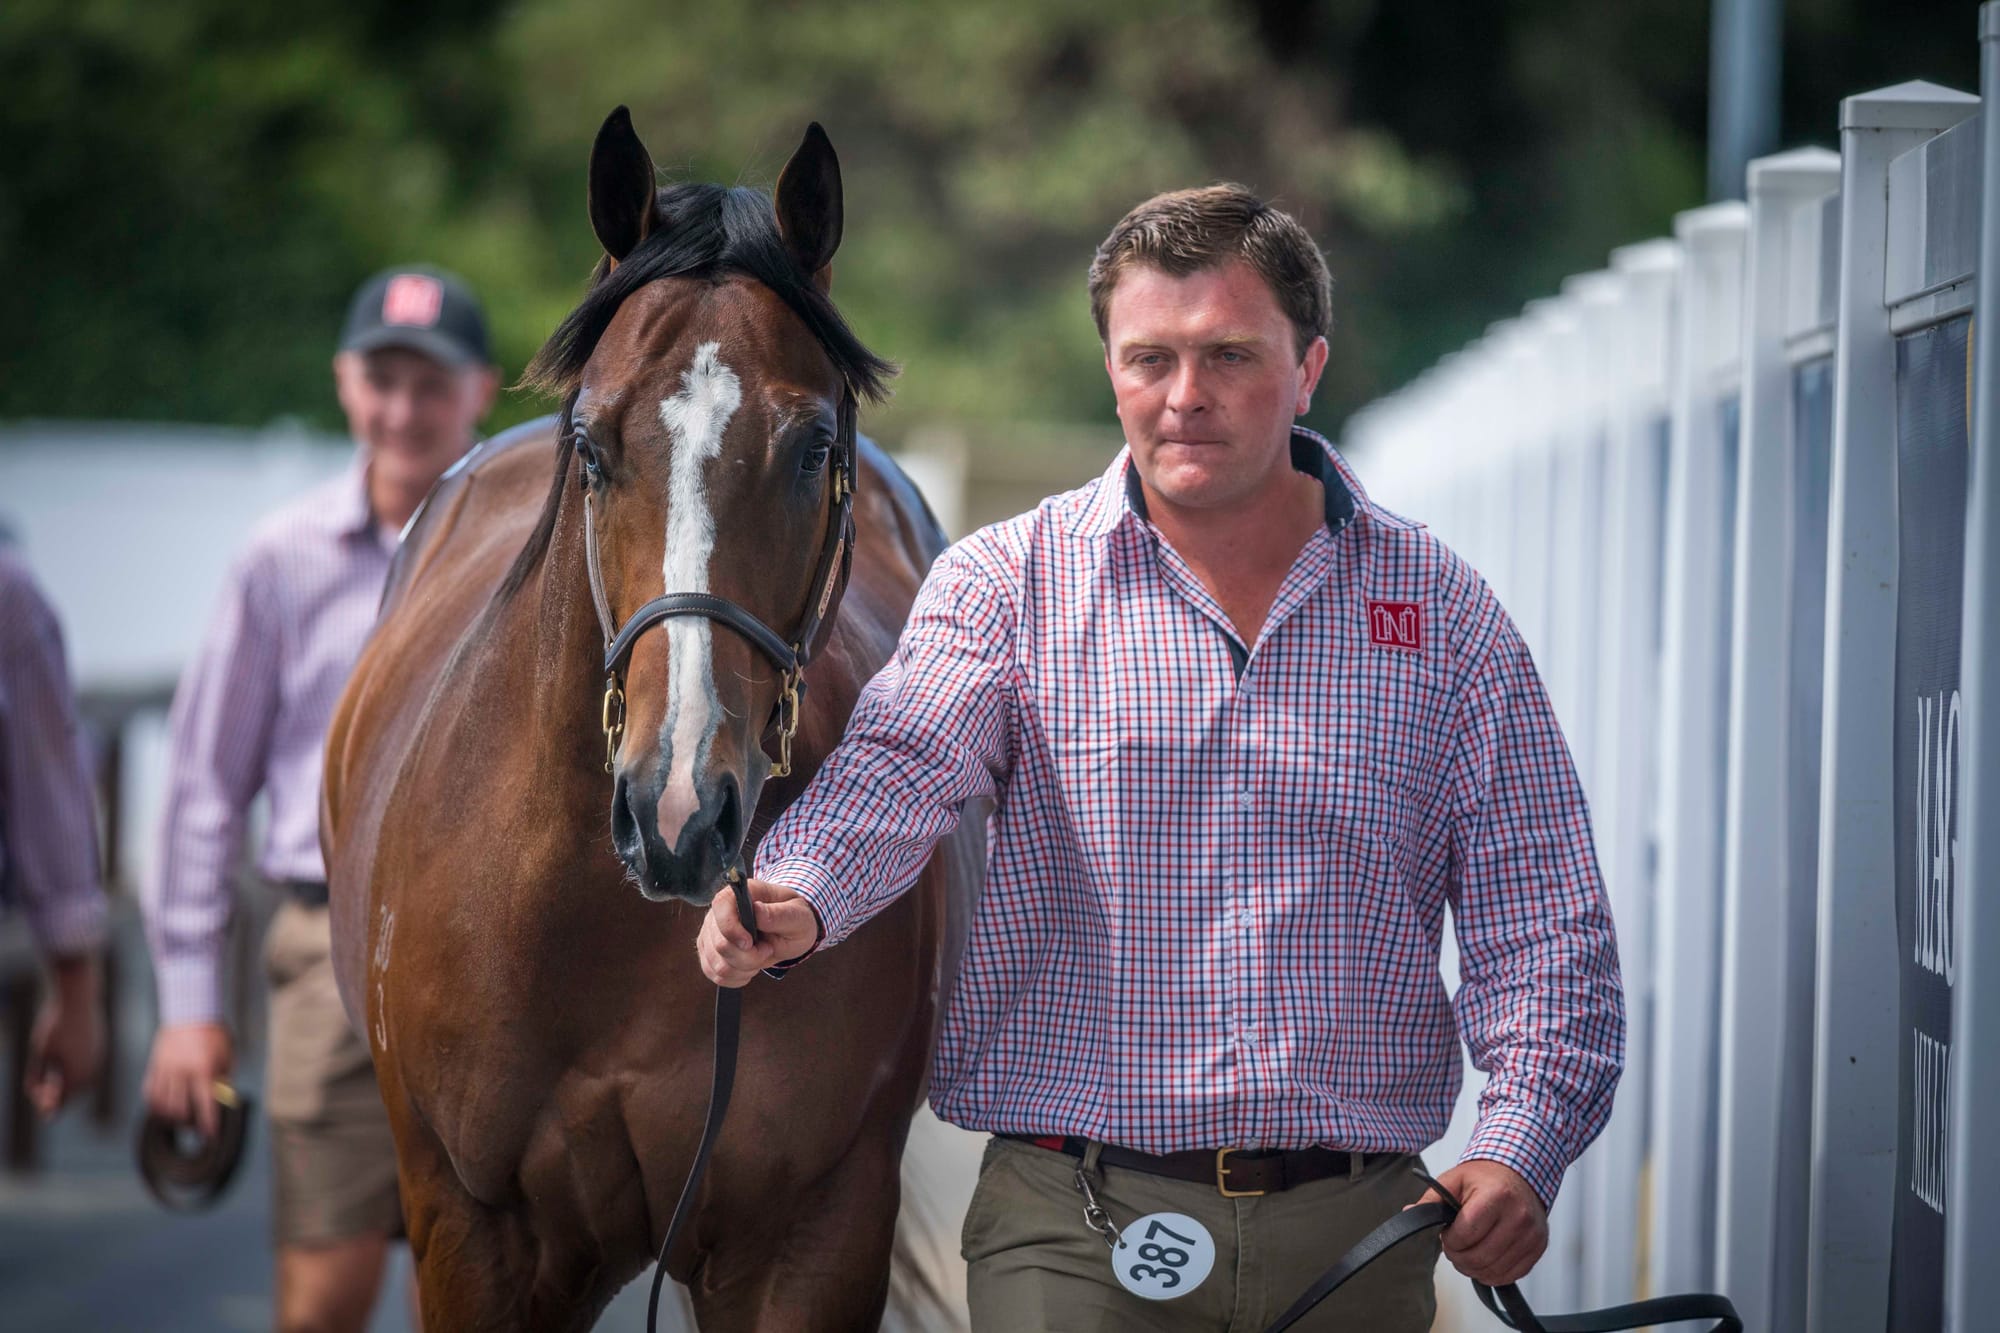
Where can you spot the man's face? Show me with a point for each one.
(1208, 380)
(414, 414)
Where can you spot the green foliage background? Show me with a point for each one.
(190, 190)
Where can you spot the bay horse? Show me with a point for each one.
(515, 903)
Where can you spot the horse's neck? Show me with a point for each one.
(552, 610)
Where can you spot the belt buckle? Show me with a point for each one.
(1222, 1177)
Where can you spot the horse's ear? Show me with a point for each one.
(809, 206)
(621, 186)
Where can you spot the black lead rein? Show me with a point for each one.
(728, 1023)
(1507, 1303)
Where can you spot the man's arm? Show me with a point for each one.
(1541, 1006)
(220, 730)
(49, 837)
(49, 833)
(930, 732)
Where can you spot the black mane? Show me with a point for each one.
(708, 232)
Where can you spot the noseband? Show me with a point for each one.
(790, 656)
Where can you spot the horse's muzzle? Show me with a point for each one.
(707, 844)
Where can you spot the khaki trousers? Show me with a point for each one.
(1033, 1266)
(335, 1159)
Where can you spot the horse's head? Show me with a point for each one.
(710, 423)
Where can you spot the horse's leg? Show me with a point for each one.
(828, 1271)
(483, 1268)
(472, 1269)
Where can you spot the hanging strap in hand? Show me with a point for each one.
(1506, 1303)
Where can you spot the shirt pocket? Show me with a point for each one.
(1356, 788)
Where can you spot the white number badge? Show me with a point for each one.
(1163, 1255)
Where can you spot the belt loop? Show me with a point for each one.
(1092, 1150)
(1354, 1160)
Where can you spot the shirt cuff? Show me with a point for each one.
(817, 885)
(188, 990)
(1524, 1141)
(74, 925)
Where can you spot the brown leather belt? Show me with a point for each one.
(1236, 1173)
(308, 892)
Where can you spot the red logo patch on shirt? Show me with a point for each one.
(413, 298)
(1396, 625)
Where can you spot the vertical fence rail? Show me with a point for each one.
(1627, 737)
(1767, 925)
(1972, 1216)
(1856, 1046)
(1697, 550)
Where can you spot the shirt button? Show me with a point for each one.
(1246, 798)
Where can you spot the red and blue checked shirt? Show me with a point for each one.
(1217, 871)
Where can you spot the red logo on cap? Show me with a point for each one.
(413, 298)
(1396, 625)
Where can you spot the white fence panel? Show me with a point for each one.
(1856, 1032)
(1699, 546)
(1763, 1106)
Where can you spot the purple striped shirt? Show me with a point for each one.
(48, 826)
(1217, 871)
(250, 715)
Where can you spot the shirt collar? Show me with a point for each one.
(1120, 497)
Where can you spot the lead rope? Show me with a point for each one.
(728, 1023)
(1506, 1303)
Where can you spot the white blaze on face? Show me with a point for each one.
(695, 418)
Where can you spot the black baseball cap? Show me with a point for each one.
(424, 309)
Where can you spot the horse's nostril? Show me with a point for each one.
(729, 814)
(624, 822)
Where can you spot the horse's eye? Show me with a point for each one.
(816, 454)
(586, 452)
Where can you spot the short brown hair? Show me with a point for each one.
(1186, 231)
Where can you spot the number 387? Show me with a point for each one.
(1161, 1263)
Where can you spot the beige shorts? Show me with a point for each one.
(334, 1157)
(1032, 1264)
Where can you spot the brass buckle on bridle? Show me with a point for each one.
(788, 722)
(613, 720)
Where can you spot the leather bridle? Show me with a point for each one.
(789, 655)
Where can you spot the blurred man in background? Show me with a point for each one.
(414, 376)
(48, 837)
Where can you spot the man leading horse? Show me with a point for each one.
(1249, 733)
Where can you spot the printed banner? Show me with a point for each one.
(1933, 451)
